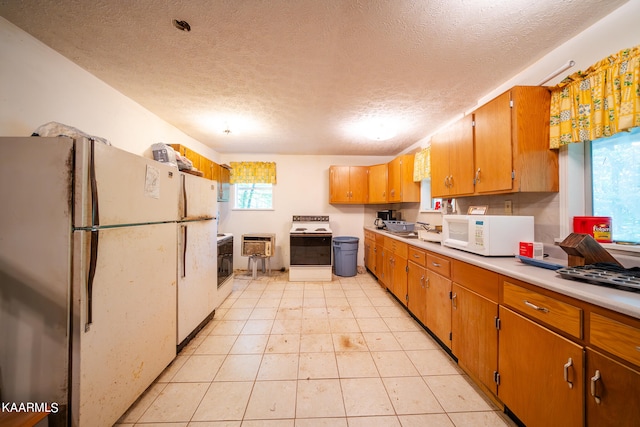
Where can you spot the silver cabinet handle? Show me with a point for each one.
(435, 264)
(422, 282)
(535, 307)
(426, 283)
(450, 180)
(454, 299)
(416, 256)
(566, 372)
(594, 380)
(477, 176)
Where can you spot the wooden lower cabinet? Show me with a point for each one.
(438, 297)
(417, 291)
(370, 254)
(381, 264)
(397, 274)
(541, 374)
(474, 335)
(613, 392)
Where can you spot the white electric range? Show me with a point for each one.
(310, 240)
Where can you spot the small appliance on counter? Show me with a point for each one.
(487, 235)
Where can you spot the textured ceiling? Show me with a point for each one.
(305, 76)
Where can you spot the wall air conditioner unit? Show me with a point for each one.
(258, 244)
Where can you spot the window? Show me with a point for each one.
(615, 183)
(253, 196)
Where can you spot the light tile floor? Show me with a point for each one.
(284, 354)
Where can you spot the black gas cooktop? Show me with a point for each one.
(605, 274)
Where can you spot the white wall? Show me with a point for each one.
(38, 85)
(302, 189)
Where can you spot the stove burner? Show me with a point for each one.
(301, 228)
(321, 229)
(605, 274)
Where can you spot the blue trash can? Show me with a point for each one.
(345, 255)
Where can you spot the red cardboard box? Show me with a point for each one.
(532, 250)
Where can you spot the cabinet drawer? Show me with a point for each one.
(396, 247)
(558, 314)
(417, 255)
(615, 337)
(477, 279)
(439, 264)
(380, 238)
(369, 234)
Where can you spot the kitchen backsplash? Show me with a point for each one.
(544, 207)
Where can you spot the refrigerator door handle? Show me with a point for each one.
(95, 214)
(184, 196)
(93, 260)
(184, 251)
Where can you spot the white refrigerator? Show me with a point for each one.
(88, 261)
(197, 255)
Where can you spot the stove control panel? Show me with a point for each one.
(310, 218)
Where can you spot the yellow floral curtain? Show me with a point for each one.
(253, 173)
(422, 164)
(598, 102)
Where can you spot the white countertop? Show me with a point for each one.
(624, 302)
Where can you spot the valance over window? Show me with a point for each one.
(598, 102)
(253, 173)
(422, 164)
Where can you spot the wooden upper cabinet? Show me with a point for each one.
(378, 182)
(208, 168)
(512, 143)
(348, 184)
(452, 160)
(402, 188)
(224, 187)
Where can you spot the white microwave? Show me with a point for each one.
(487, 235)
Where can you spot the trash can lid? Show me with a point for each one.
(346, 239)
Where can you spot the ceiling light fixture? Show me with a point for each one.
(182, 25)
(380, 132)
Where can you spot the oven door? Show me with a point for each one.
(310, 249)
(225, 260)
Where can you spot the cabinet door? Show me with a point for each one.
(358, 184)
(381, 265)
(493, 156)
(409, 189)
(339, 184)
(417, 291)
(474, 335)
(370, 254)
(440, 163)
(378, 184)
(399, 277)
(394, 194)
(224, 188)
(461, 169)
(612, 392)
(439, 306)
(541, 373)
(206, 166)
